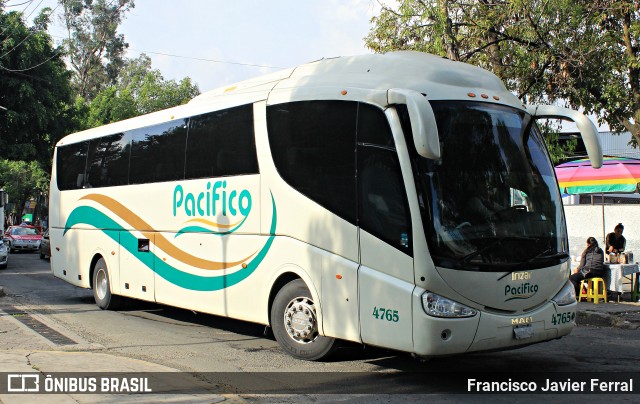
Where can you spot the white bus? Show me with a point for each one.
(399, 200)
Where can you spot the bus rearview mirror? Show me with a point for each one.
(423, 121)
(588, 130)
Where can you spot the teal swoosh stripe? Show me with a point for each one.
(200, 229)
(91, 216)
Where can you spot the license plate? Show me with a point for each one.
(523, 331)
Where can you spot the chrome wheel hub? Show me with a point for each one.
(300, 320)
(101, 283)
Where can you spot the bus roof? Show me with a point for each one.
(366, 77)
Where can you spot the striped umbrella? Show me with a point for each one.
(617, 174)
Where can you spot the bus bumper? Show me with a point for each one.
(485, 331)
(503, 332)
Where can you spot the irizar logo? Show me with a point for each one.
(523, 291)
(213, 201)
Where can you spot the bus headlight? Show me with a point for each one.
(438, 306)
(566, 296)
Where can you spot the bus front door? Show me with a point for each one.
(385, 278)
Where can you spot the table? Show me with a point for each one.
(621, 271)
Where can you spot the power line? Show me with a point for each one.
(30, 68)
(207, 60)
(32, 11)
(28, 36)
(139, 51)
(192, 57)
(19, 4)
(25, 9)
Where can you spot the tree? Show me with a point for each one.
(22, 181)
(34, 89)
(586, 53)
(95, 48)
(139, 90)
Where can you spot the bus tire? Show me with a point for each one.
(295, 325)
(102, 289)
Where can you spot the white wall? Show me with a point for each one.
(584, 221)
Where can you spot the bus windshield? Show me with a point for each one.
(491, 203)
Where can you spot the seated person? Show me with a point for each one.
(615, 242)
(591, 265)
(482, 206)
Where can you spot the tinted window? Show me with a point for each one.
(373, 127)
(383, 208)
(222, 143)
(313, 147)
(157, 152)
(491, 203)
(70, 166)
(108, 161)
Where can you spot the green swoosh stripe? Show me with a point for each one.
(91, 216)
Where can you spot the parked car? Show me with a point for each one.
(23, 238)
(4, 254)
(45, 247)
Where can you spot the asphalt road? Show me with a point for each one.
(220, 347)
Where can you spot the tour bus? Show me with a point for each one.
(399, 200)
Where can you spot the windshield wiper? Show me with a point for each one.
(542, 256)
(492, 244)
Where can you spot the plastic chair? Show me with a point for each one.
(593, 289)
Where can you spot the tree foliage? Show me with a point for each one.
(34, 89)
(139, 90)
(22, 180)
(586, 53)
(95, 48)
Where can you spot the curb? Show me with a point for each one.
(628, 320)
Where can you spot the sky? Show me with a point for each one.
(270, 35)
(221, 42)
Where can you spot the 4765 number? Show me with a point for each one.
(386, 314)
(562, 318)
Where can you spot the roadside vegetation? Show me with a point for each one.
(49, 89)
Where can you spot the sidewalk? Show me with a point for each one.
(24, 351)
(625, 315)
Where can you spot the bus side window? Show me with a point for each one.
(71, 164)
(157, 153)
(221, 143)
(313, 147)
(108, 161)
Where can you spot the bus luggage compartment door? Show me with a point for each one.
(137, 266)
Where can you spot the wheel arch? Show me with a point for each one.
(279, 283)
(287, 274)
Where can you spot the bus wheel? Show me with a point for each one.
(295, 324)
(101, 289)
